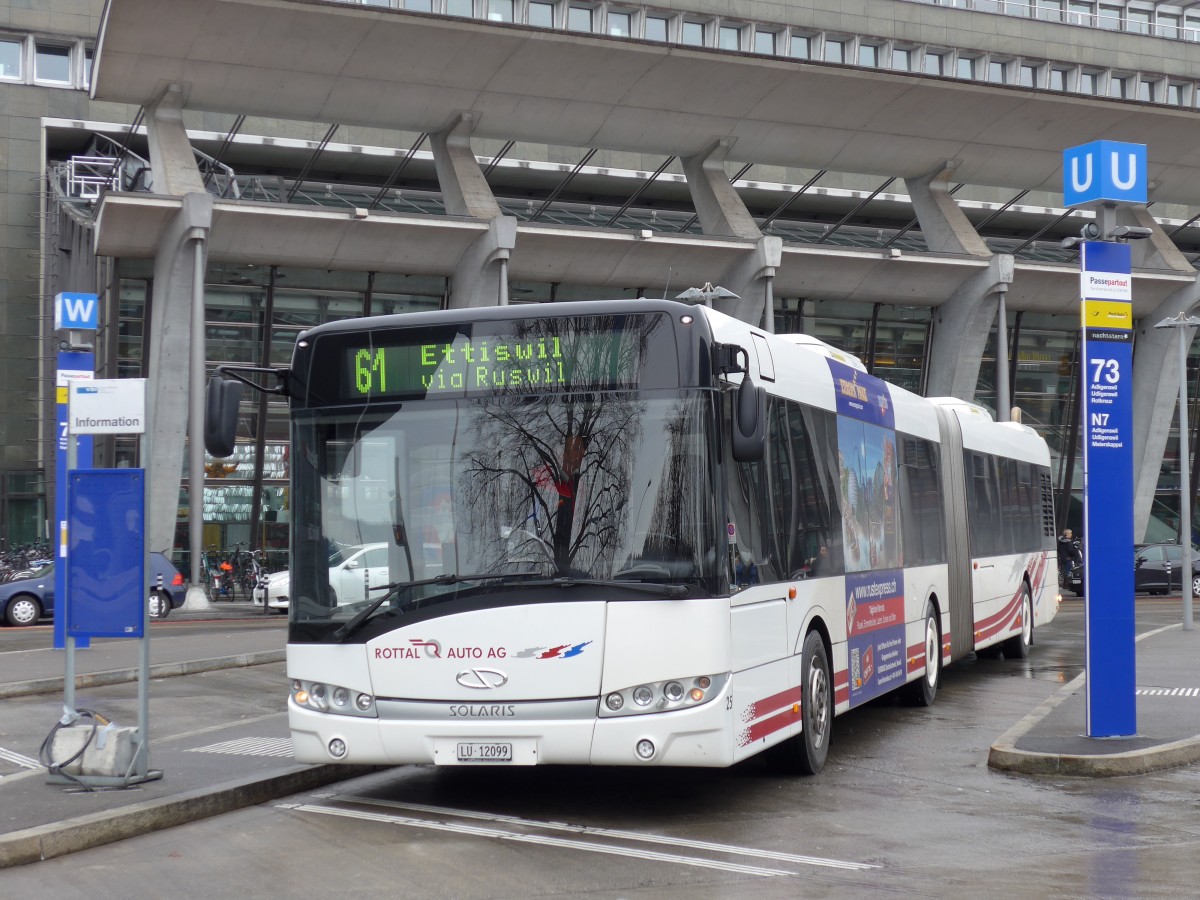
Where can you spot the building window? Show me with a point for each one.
(1028, 75)
(620, 24)
(966, 67)
(10, 58)
(460, 8)
(1167, 25)
(801, 47)
(579, 18)
(500, 10)
(419, 5)
(868, 55)
(998, 72)
(1191, 26)
(656, 28)
(935, 63)
(1118, 86)
(1081, 13)
(835, 51)
(1109, 18)
(88, 54)
(1059, 79)
(764, 41)
(729, 37)
(692, 34)
(541, 15)
(1137, 21)
(1050, 10)
(52, 63)
(902, 59)
(1146, 91)
(1089, 82)
(1175, 93)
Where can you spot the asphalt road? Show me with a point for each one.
(906, 806)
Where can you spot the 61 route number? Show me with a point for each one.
(1106, 370)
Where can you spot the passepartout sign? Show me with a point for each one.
(107, 406)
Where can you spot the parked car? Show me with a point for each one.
(25, 601)
(1158, 568)
(351, 570)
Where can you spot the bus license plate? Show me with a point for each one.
(480, 752)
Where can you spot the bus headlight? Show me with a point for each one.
(332, 698)
(663, 696)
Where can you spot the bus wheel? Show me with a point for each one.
(805, 753)
(816, 706)
(923, 691)
(1017, 647)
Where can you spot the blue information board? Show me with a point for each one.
(106, 577)
(1107, 359)
(71, 364)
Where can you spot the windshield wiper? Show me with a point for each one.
(390, 590)
(649, 587)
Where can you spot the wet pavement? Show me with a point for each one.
(244, 683)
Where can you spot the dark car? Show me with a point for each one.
(26, 600)
(1158, 568)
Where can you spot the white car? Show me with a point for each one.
(351, 571)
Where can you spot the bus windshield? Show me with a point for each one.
(415, 498)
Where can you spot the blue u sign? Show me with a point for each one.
(1104, 172)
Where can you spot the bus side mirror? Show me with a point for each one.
(749, 422)
(220, 416)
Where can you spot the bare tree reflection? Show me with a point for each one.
(550, 483)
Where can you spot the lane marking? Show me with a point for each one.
(254, 746)
(618, 834)
(1168, 692)
(542, 840)
(19, 759)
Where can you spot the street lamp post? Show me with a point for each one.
(1182, 322)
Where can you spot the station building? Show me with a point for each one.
(882, 174)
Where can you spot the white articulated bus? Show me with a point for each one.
(633, 532)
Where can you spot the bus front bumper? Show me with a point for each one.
(700, 736)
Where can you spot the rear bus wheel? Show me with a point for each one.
(923, 691)
(1017, 646)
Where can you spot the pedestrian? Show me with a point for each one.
(1069, 554)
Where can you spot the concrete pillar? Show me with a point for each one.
(172, 164)
(751, 279)
(480, 277)
(170, 343)
(464, 189)
(1155, 252)
(1155, 396)
(961, 328)
(943, 223)
(718, 205)
(174, 171)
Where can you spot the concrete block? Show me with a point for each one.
(114, 758)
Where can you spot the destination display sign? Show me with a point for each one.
(500, 357)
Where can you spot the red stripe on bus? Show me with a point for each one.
(789, 697)
(764, 727)
(916, 662)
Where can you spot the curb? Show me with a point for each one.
(124, 676)
(1005, 757)
(96, 829)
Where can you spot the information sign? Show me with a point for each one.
(1107, 358)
